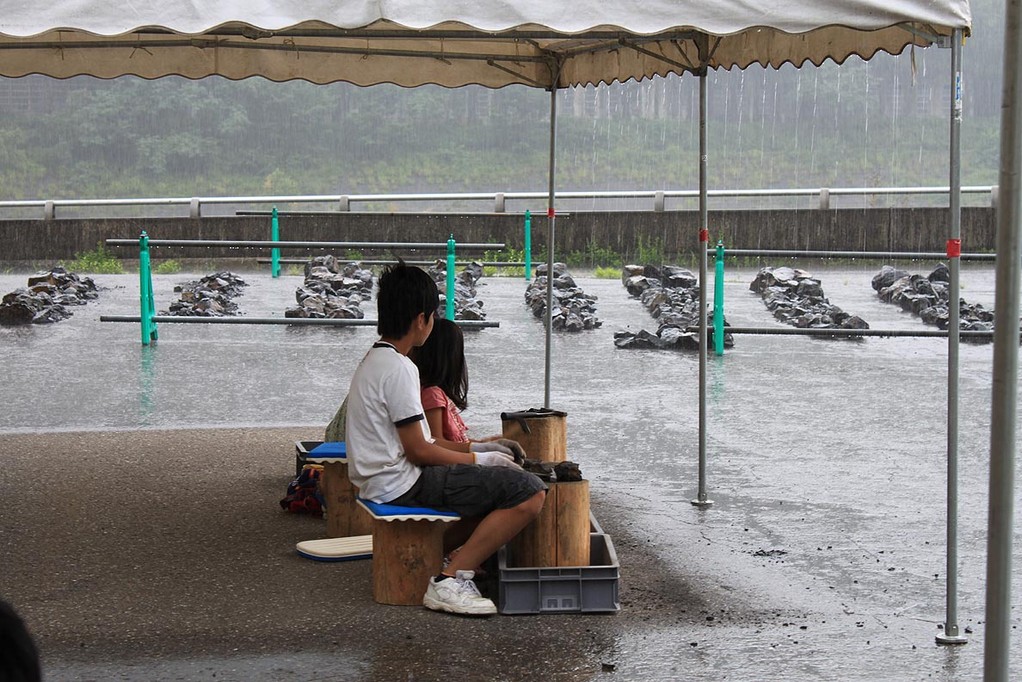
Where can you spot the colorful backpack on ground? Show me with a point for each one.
(303, 495)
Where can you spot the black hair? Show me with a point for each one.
(405, 293)
(19, 658)
(441, 361)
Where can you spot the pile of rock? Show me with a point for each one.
(332, 290)
(795, 297)
(466, 305)
(211, 296)
(47, 297)
(671, 295)
(573, 309)
(928, 296)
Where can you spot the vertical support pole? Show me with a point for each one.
(1001, 510)
(147, 309)
(951, 634)
(704, 238)
(274, 252)
(528, 245)
(718, 301)
(551, 223)
(449, 311)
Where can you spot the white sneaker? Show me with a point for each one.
(457, 595)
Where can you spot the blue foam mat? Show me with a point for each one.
(381, 509)
(329, 449)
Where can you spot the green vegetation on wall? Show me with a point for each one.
(99, 261)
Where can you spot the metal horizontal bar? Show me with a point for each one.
(885, 255)
(147, 201)
(301, 198)
(795, 331)
(510, 35)
(360, 51)
(294, 321)
(904, 190)
(213, 42)
(302, 245)
(333, 198)
(490, 196)
(496, 264)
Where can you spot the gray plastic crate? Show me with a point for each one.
(564, 589)
(302, 448)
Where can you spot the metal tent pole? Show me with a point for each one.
(704, 238)
(1001, 511)
(551, 220)
(951, 635)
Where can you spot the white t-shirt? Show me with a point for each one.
(384, 395)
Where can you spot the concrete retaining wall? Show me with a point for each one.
(897, 229)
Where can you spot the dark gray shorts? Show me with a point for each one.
(470, 489)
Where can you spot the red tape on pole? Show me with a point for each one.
(550, 213)
(954, 248)
(704, 235)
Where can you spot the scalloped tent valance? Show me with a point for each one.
(538, 43)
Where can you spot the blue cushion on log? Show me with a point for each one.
(384, 511)
(329, 449)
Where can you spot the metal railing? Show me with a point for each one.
(497, 200)
(148, 318)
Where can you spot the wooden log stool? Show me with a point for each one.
(344, 518)
(408, 550)
(559, 536)
(542, 433)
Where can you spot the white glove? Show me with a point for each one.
(495, 459)
(491, 446)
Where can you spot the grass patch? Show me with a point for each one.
(650, 252)
(167, 267)
(593, 256)
(99, 261)
(607, 272)
(507, 256)
(350, 256)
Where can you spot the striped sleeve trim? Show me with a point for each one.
(409, 420)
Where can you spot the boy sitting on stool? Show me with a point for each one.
(392, 457)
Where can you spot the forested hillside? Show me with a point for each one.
(877, 123)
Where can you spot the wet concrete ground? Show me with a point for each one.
(140, 553)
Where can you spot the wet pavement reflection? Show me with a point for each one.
(823, 555)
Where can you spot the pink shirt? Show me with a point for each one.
(454, 428)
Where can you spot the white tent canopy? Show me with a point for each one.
(452, 43)
(548, 44)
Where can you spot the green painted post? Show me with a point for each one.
(450, 279)
(275, 252)
(528, 245)
(147, 309)
(718, 301)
